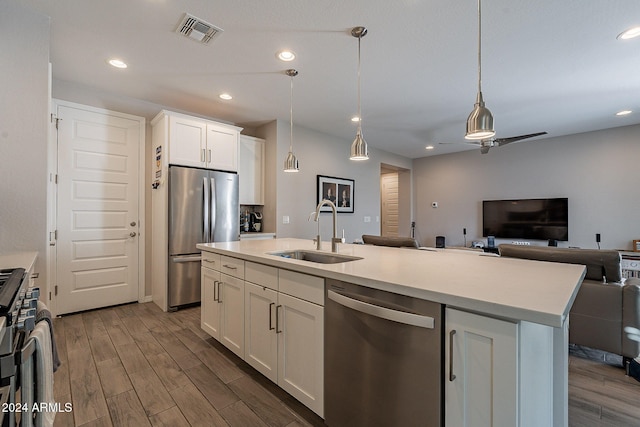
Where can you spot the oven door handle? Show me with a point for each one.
(382, 312)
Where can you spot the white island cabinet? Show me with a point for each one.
(222, 300)
(284, 330)
(505, 332)
(500, 372)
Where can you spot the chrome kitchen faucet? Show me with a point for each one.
(335, 239)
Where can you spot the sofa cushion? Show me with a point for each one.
(599, 263)
(396, 242)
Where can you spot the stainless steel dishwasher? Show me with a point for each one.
(383, 358)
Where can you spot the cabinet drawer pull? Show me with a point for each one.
(451, 375)
(230, 267)
(270, 316)
(278, 330)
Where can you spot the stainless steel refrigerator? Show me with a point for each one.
(203, 207)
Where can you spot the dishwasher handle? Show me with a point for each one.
(382, 312)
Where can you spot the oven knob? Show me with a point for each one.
(26, 323)
(33, 293)
(30, 303)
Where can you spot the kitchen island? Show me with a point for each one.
(531, 298)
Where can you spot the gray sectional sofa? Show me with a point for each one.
(606, 312)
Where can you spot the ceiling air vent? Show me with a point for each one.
(197, 29)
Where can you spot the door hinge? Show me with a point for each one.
(53, 177)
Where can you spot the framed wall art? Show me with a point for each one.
(340, 191)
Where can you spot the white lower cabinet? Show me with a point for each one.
(222, 304)
(504, 373)
(284, 332)
(301, 351)
(481, 373)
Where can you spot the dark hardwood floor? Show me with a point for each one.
(134, 365)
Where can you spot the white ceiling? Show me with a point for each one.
(548, 65)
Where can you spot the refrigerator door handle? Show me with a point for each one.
(205, 213)
(213, 209)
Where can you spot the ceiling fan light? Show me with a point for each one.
(480, 121)
(291, 163)
(359, 149)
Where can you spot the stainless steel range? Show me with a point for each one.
(17, 317)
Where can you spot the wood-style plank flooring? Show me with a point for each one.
(134, 365)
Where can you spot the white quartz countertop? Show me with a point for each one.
(534, 291)
(24, 260)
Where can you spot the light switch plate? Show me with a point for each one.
(285, 219)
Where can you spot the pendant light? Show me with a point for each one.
(359, 149)
(480, 121)
(291, 163)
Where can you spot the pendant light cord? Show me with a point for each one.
(359, 84)
(479, 47)
(291, 118)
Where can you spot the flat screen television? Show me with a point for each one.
(539, 219)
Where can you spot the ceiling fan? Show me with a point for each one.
(486, 144)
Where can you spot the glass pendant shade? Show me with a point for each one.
(291, 163)
(480, 121)
(359, 149)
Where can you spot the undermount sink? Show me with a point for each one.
(313, 256)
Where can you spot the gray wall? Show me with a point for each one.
(597, 171)
(24, 110)
(295, 193)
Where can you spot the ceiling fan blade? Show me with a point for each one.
(461, 142)
(505, 141)
(484, 150)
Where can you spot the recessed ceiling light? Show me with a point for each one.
(355, 119)
(429, 147)
(624, 112)
(117, 63)
(225, 96)
(286, 55)
(629, 34)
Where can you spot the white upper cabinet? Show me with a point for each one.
(251, 170)
(198, 142)
(222, 147)
(187, 141)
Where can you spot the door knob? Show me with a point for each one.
(133, 223)
(132, 234)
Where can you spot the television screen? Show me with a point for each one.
(540, 219)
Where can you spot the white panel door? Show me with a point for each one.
(231, 300)
(188, 142)
(260, 339)
(97, 258)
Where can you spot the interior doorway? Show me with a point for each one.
(395, 201)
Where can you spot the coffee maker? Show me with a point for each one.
(255, 221)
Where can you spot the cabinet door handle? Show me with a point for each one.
(278, 330)
(451, 375)
(270, 316)
(220, 292)
(215, 285)
(208, 156)
(202, 158)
